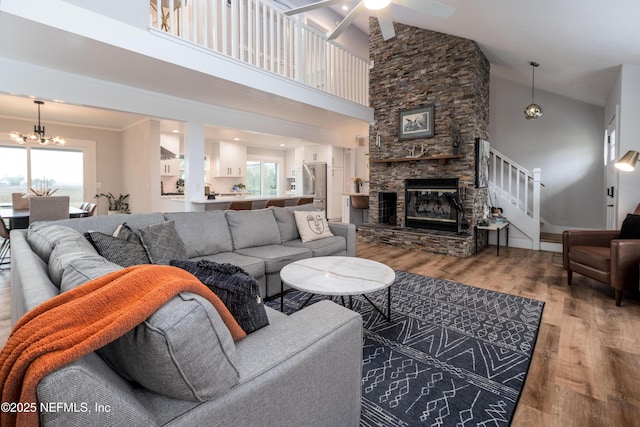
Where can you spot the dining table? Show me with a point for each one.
(19, 218)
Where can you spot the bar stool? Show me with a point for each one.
(240, 205)
(360, 203)
(275, 202)
(304, 201)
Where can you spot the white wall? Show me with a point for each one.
(141, 149)
(626, 95)
(566, 143)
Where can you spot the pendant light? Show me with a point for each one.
(533, 111)
(38, 134)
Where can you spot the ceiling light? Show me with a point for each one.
(533, 111)
(345, 7)
(37, 135)
(236, 139)
(376, 4)
(175, 131)
(627, 162)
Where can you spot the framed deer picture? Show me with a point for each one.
(416, 123)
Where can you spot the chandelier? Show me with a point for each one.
(37, 135)
(533, 111)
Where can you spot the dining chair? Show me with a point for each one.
(48, 208)
(6, 243)
(240, 205)
(275, 202)
(91, 209)
(18, 202)
(84, 205)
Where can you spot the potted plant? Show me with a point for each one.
(358, 182)
(116, 205)
(238, 187)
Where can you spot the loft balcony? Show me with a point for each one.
(242, 56)
(258, 33)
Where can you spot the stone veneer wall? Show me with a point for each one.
(419, 67)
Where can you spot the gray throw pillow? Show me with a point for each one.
(82, 270)
(117, 250)
(183, 350)
(239, 292)
(64, 252)
(162, 242)
(287, 222)
(42, 237)
(253, 228)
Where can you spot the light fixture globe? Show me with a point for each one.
(532, 112)
(376, 4)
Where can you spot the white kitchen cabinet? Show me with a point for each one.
(315, 153)
(230, 160)
(336, 158)
(335, 181)
(171, 204)
(170, 167)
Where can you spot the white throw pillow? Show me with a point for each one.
(312, 225)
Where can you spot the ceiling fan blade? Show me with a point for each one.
(430, 7)
(386, 24)
(346, 21)
(312, 6)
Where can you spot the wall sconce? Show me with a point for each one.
(627, 162)
(378, 142)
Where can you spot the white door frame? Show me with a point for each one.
(611, 154)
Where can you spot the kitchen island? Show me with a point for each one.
(257, 202)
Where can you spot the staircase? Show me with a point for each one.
(517, 191)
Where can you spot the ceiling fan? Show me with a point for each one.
(381, 9)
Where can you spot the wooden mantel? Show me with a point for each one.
(441, 158)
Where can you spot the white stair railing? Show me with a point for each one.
(258, 33)
(517, 191)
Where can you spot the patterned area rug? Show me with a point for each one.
(452, 355)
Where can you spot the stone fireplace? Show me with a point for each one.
(417, 68)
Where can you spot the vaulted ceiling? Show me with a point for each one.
(579, 44)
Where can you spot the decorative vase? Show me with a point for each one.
(456, 150)
(357, 188)
(110, 212)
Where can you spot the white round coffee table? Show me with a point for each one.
(338, 275)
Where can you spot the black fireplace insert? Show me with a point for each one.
(430, 203)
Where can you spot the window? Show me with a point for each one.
(61, 169)
(67, 169)
(13, 172)
(262, 178)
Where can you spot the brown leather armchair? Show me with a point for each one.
(601, 255)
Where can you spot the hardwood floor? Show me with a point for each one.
(586, 365)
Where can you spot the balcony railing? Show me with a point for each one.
(258, 33)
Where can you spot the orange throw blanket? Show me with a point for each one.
(88, 317)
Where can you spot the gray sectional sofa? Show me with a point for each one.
(303, 369)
